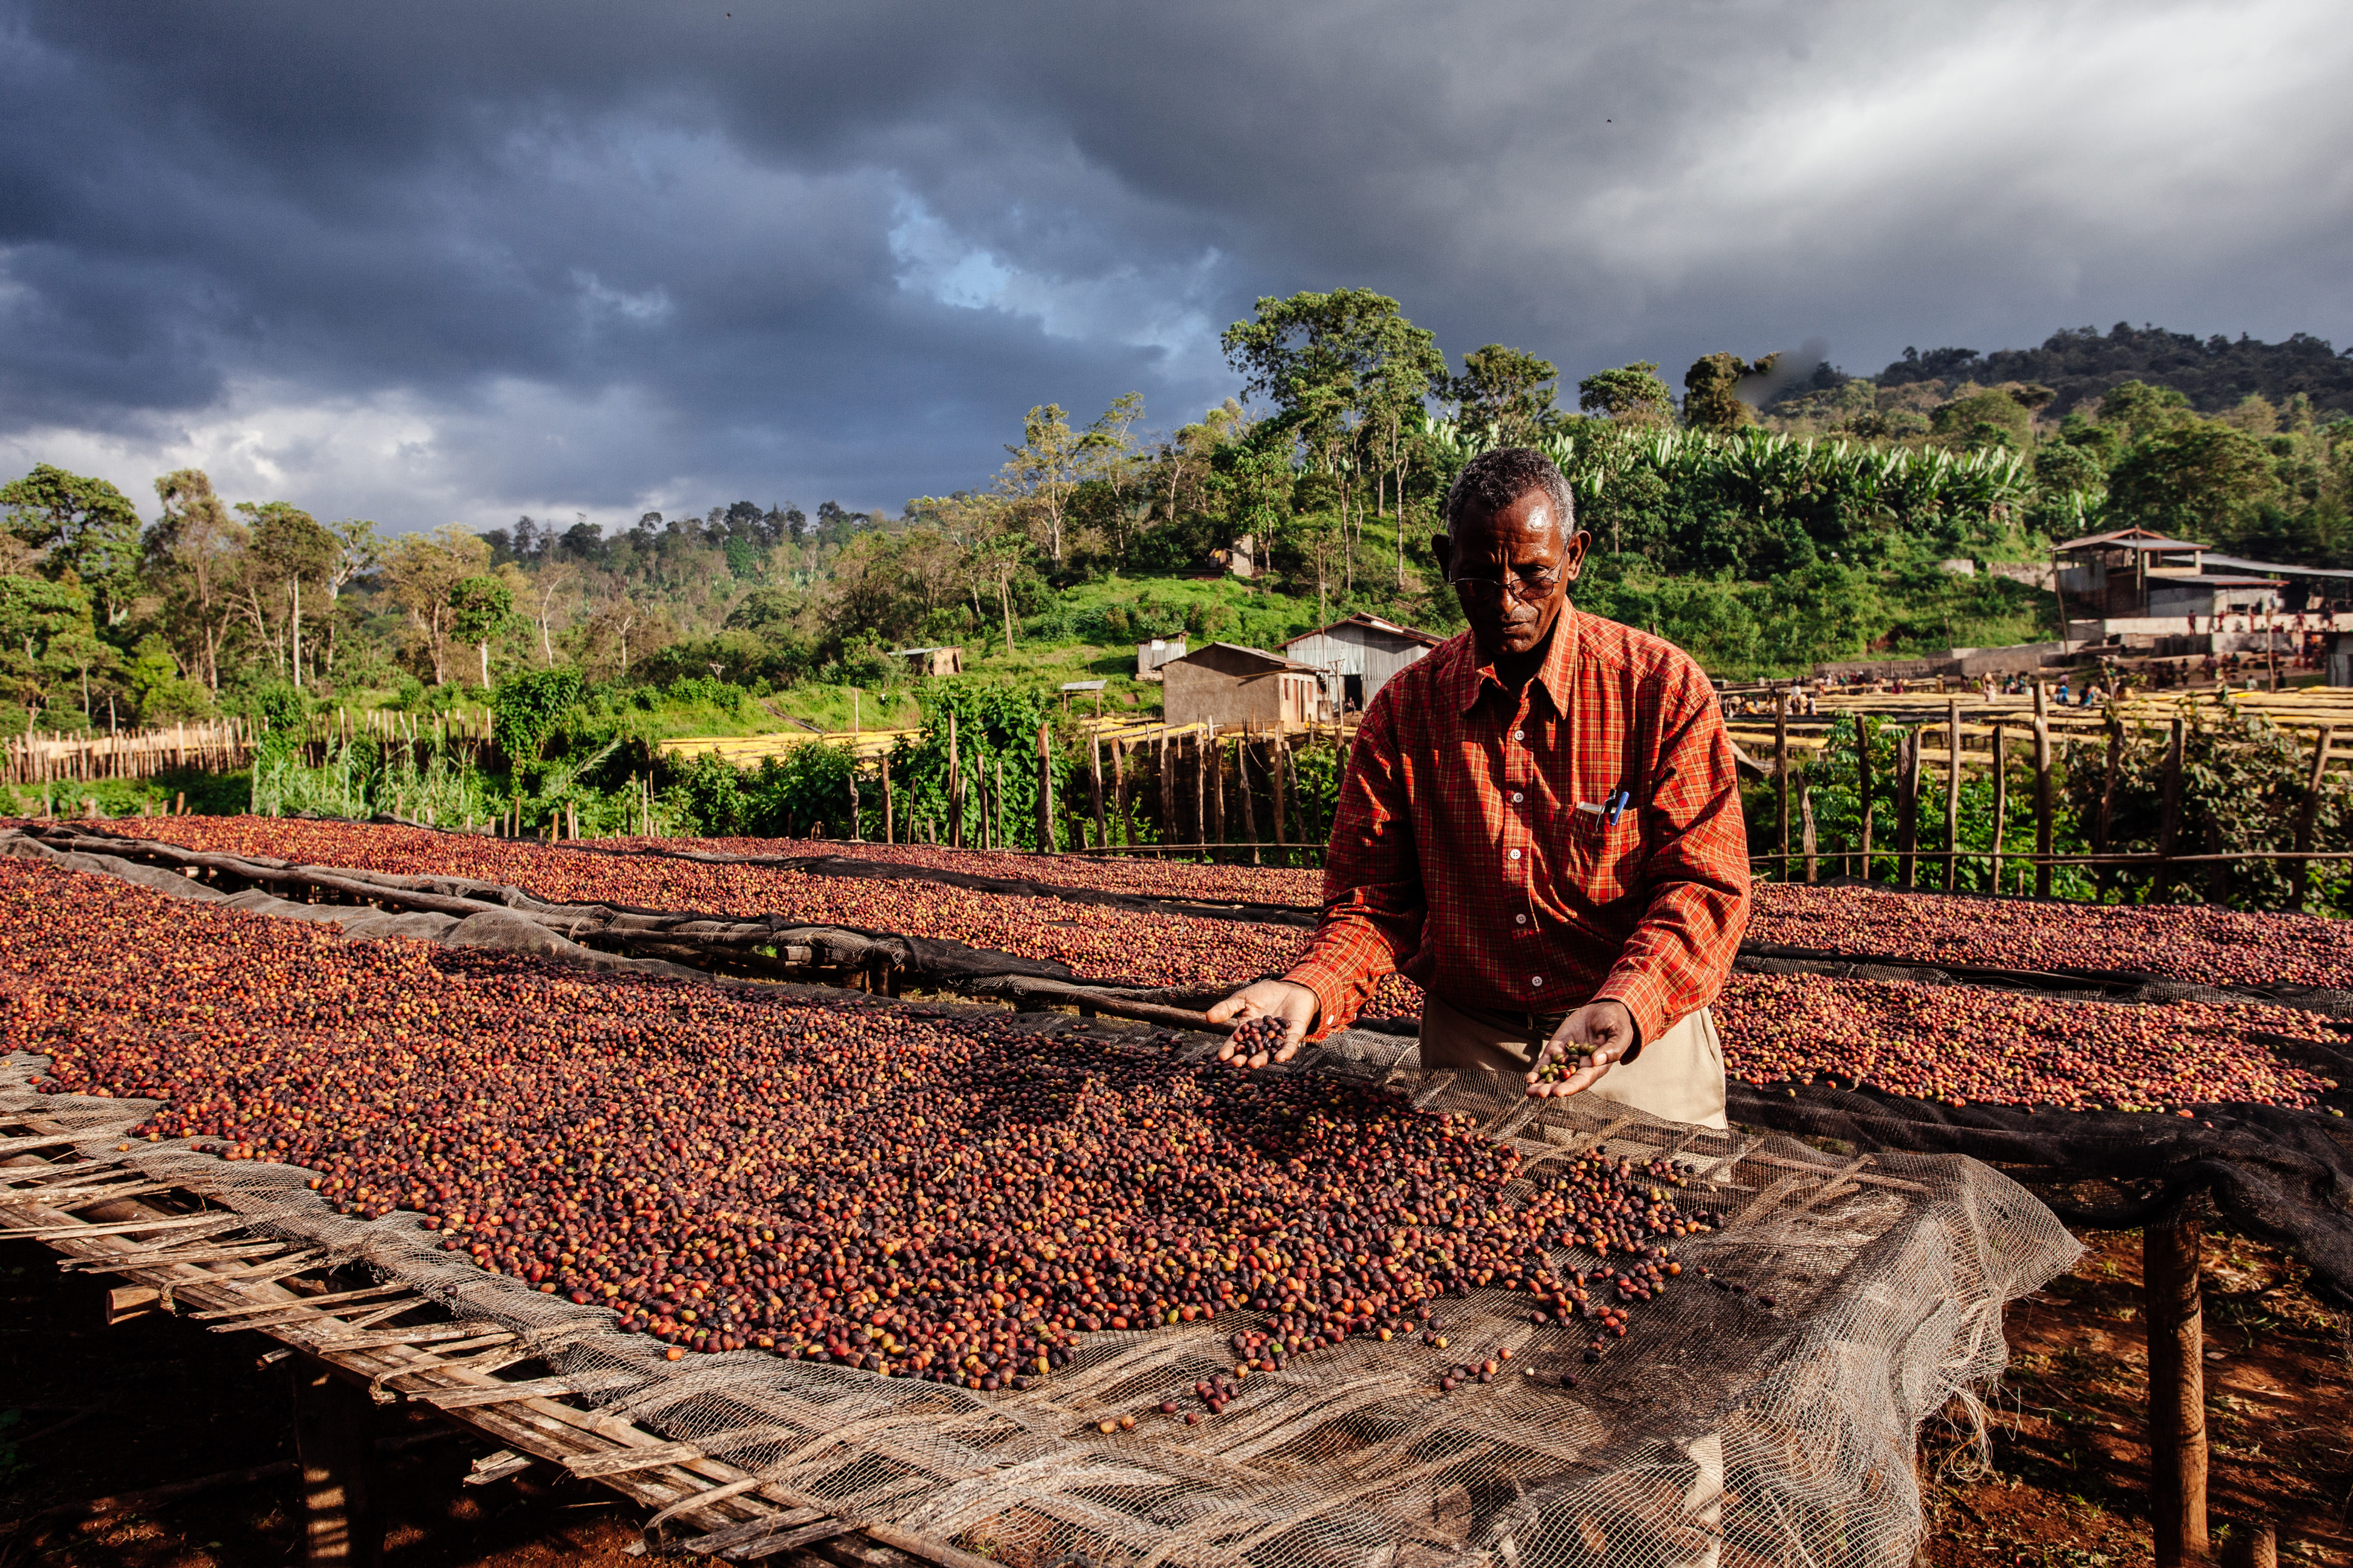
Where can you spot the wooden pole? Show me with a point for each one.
(1805, 810)
(2000, 797)
(1201, 788)
(334, 1443)
(2177, 1392)
(890, 828)
(1242, 783)
(1863, 789)
(1907, 802)
(1282, 763)
(1121, 798)
(2101, 823)
(1167, 782)
(1952, 795)
(2307, 815)
(857, 828)
(1094, 777)
(955, 787)
(2170, 826)
(1046, 844)
(1781, 771)
(1215, 781)
(2043, 801)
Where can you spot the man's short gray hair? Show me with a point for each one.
(1493, 481)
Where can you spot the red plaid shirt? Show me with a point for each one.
(1462, 858)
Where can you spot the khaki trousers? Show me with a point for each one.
(1678, 1076)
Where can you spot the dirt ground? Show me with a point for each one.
(2067, 1486)
(88, 1411)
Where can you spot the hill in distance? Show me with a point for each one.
(2081, 364)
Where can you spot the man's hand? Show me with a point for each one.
(1295, 1004)
(1600, 1031)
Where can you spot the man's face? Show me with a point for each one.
(1520, 550)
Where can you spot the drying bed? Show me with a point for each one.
(539, 1111)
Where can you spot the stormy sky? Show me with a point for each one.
(441, 261)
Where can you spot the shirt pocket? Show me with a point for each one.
(1603, 858)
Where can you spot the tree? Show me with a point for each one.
(86, 526)
(1631, 395)
(44, 628)
(2201, 477)
(1983, 419)
(287, 547)
(194, 549)
(1043, 471)
(421, 570)
(1406, 366)
(1509, 389)
(1108, 454)
(2140, 410)
(479, 609)
(1712, 392)
(1323, 358)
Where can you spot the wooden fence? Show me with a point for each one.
(2033, 724)
(219, 746)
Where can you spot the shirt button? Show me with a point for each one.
(1518, 797)
(1519, 735)
(1516, 854)
(1537, 982)
(1523, 920)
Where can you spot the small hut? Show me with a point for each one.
(1356, 656)
(1229, 686)
(1151, 656)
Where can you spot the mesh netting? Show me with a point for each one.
(1771, 1426)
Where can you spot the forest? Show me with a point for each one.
(1764, 519)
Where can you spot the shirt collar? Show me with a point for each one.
(1473, 679)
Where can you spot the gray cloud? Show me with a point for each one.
(444, 261)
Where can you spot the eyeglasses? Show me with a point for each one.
(1526, 590)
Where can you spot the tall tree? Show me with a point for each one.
(84, 526)
(1407, 368)
(421, 569)
(1316, 356)
(2202, 477)
(479, 609)
(1712, 392)
(194, 550)
(287, 548)
(1631, 395)
(1042, 473)
(1509, 389)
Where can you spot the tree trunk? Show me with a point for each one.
(2177, 1392)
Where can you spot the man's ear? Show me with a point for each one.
(1441, 550)
(1572, 555)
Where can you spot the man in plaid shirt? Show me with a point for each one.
(1540, 826)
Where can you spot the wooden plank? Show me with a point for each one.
(533, 1388)
(620, 1461)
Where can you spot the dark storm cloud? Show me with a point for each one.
(453, 260)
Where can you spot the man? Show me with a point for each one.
(1540, 825)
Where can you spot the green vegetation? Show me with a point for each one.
(1821, 526)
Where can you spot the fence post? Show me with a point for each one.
(2042, 801)
(1094, 777)
(2000, 798)
(1167, 782)
(1119, 796)
(1805, 810)
(1215, 760)
(1907, 802)
(2170, 826)
(2101, 823)
(2307, 816)
(1046, 844)
(889, 828)
(2177, 1390)
(1952, 795)
(1863, 789)
(1242, 783)
(857, 826)
(955, 787)
(1200, 787)
(1279, 759)
(1781, 772)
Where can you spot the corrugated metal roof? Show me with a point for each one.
(2245, 566)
